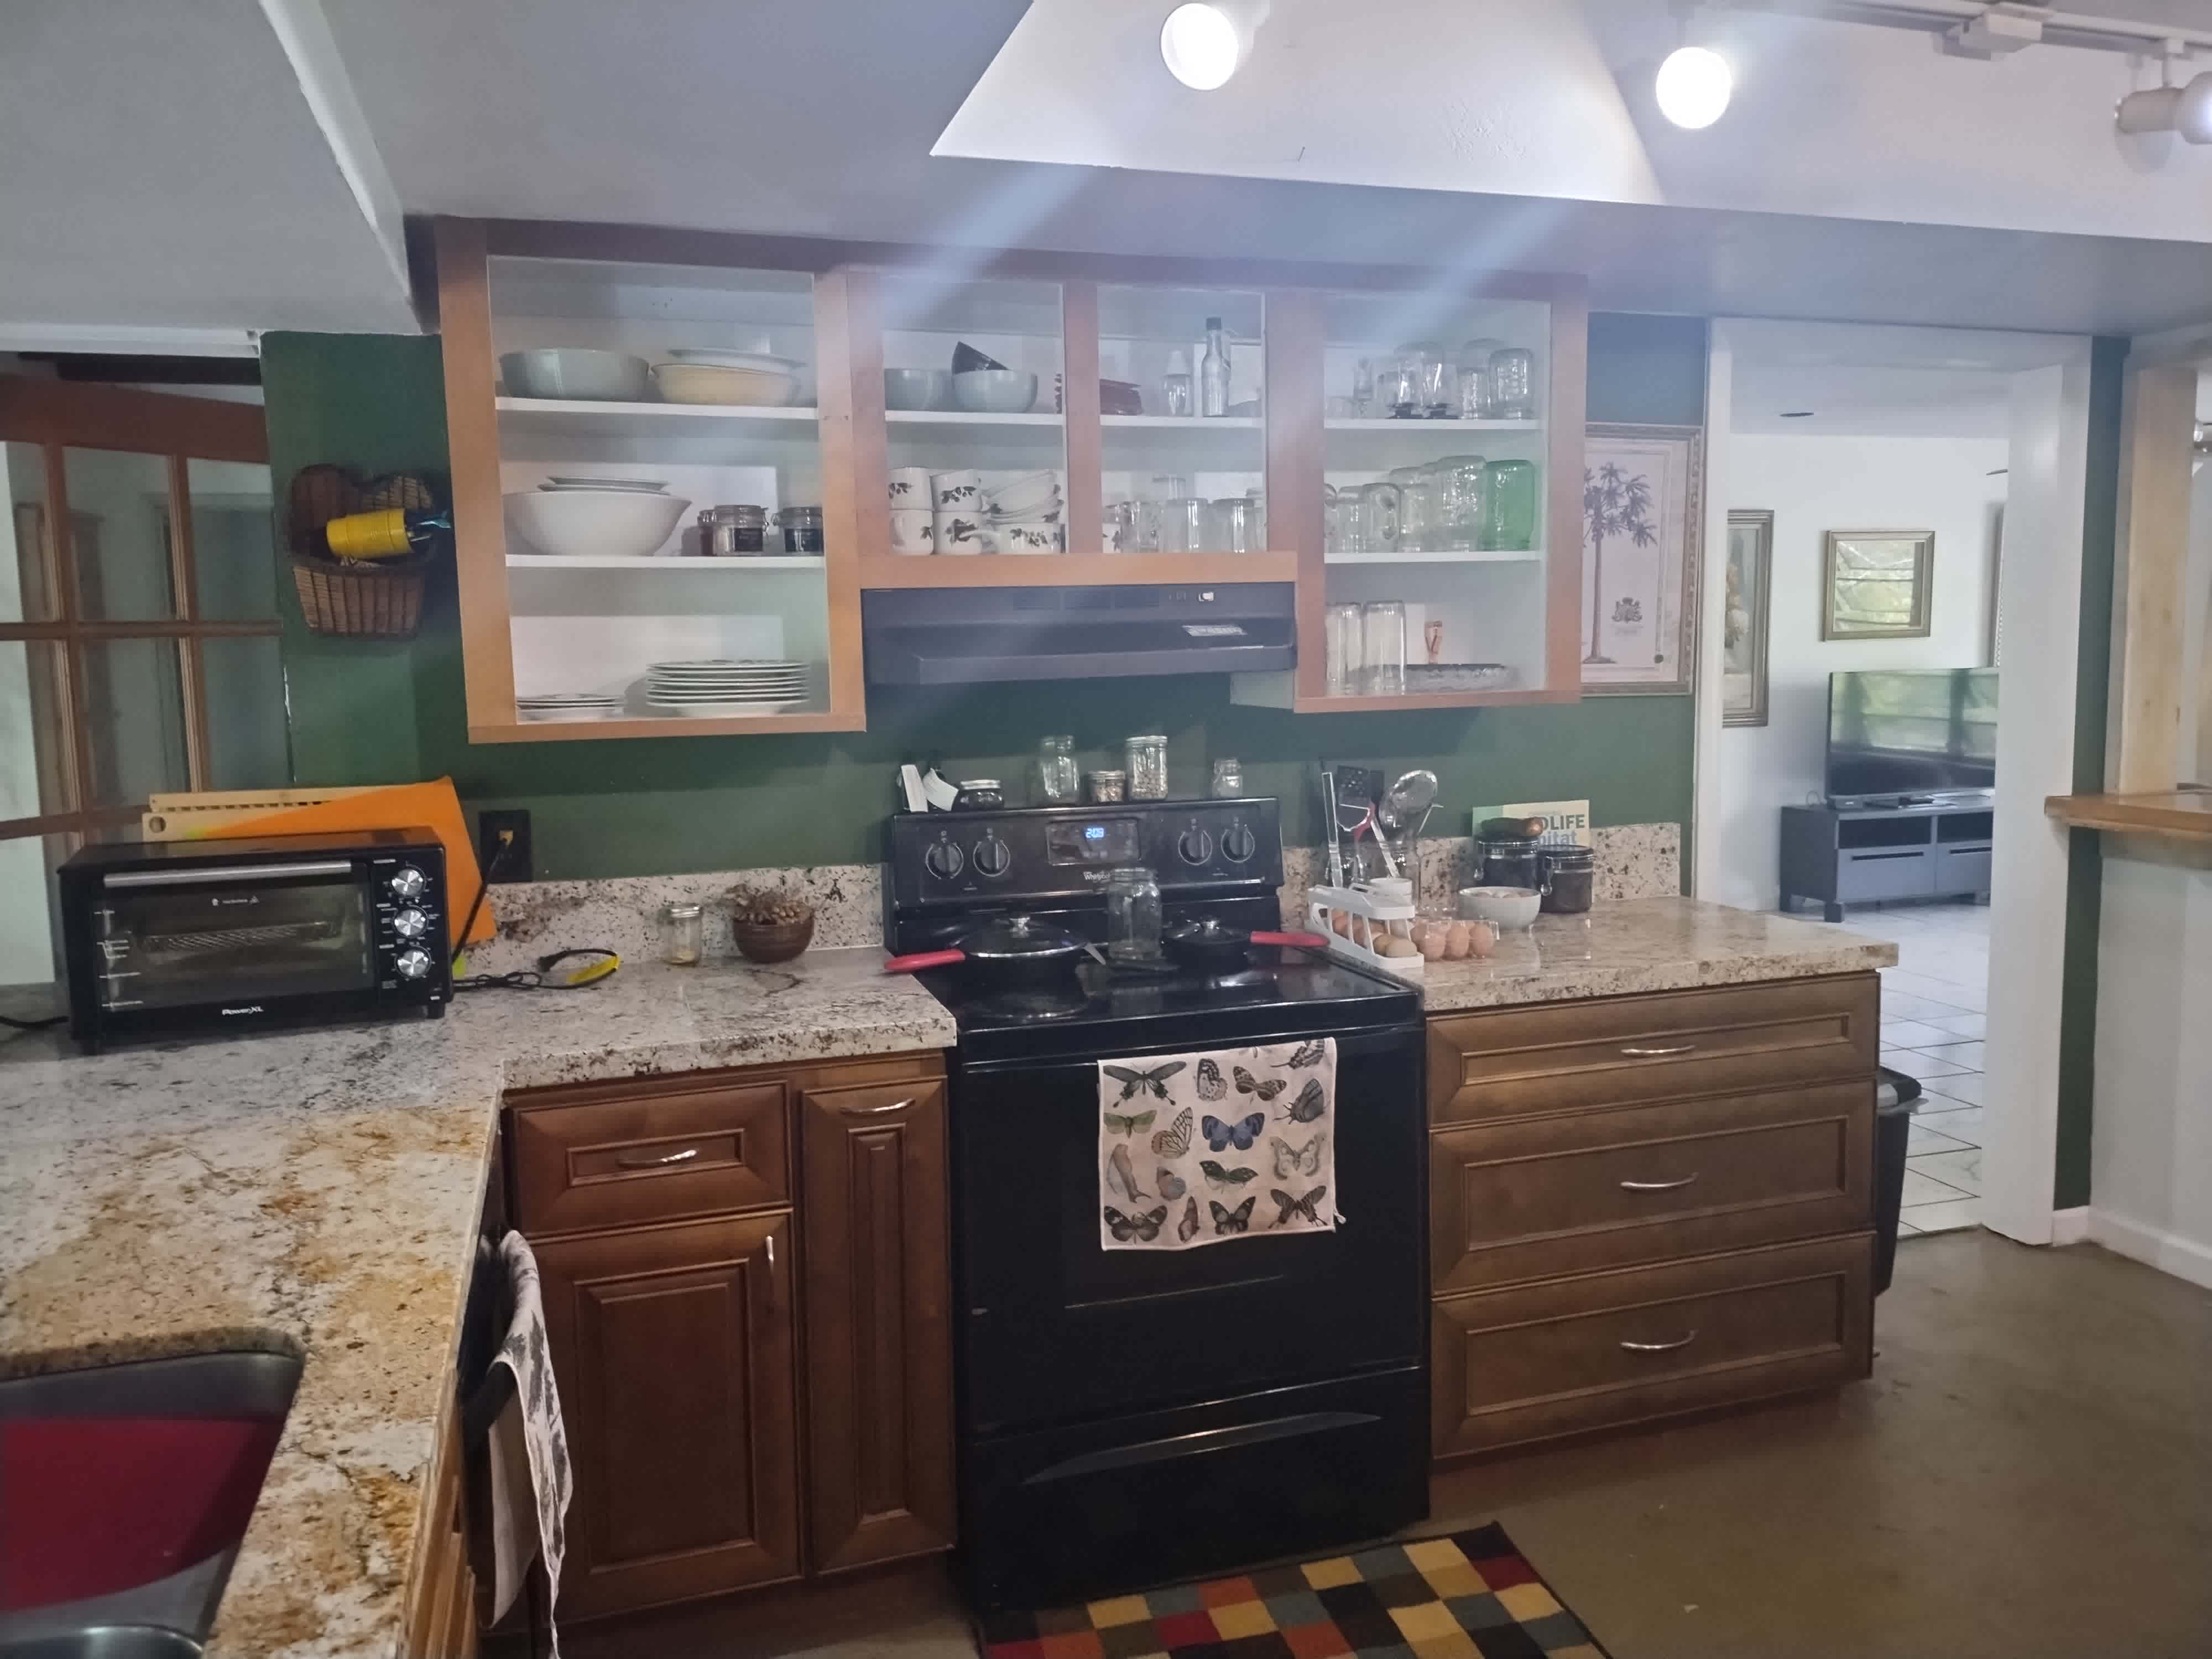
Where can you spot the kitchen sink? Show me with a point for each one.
(129, 1489)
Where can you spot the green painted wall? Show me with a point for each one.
(2085, 861)
(365, 712)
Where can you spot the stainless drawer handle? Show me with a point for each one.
(877, 1111)
(771, 1272)
(1657, 1185)
(648, 1161)
(1634, 1052)
(1659, 1347)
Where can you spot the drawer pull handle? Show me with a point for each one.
(1657, 1185)
(877, 1111)
(1659, 1347)
(649, 1161)
(771, 1273)
(1667, 1053)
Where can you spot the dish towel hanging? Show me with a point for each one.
(1206, 1148)
(529, 1449)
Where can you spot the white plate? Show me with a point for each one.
(721, 359)
(732, 710)
(650, 485)
(567, 700)
(728, 694)
(700, 663)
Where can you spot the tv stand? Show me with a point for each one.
(1839, 855)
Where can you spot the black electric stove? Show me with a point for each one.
(1126, 1418)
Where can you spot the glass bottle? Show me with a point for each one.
(1345, 649)
(1213, 371)
(683, 935)
(1147, 763)
(1228, 777)
(1056, 770)
(1513, 385)
(1133, 914)
(1383, 643)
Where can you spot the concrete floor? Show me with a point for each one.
(2028, 1473)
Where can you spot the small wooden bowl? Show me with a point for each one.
(770, 942)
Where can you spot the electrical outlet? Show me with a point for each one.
(514, 863)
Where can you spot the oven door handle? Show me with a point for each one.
(1205, 1440)
(251, 873)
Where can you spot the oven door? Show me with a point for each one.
(213, 944)
(1054, 1330)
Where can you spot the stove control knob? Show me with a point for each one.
(1195, 846)
(1238, 843)
(944, 860)
(413, 964)
(409, 883)
(991, 857)
(410, 923)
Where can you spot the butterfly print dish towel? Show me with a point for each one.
(1209, 1148)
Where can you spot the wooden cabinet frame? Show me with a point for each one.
(854, 448)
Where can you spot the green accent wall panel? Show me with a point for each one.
(366, 712)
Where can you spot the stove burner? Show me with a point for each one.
(1029, 1007)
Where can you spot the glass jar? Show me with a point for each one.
(1455, 493)
(683, 935)
(1435, 385)
(1346, 652)
(1182, 524)
(1476, 394)
(1332, 520)
(1513, 385)
(802, 529)
(1379, 505)
(726, 531)
(1570, 877)
(1175, 387)
(1416, 507)
(1510, 862)
(1398, 387)
(1109, 788)
(1383, 634)
(1147, 761)
(1508, 507)
(1133, 914)
(1056, 772)
(1229, 526)
(1228, 778)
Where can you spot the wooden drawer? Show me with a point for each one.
(657, 1157)
(1732, 1039)
(1610, 1349)
(1539, 1198)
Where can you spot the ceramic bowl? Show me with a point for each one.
(1502, 907)
(576, 523)
(1026, 535)
(719, 383)
(715, 357)
(995, 390)
(574, 372)
(1028, 498)
(913, 531)
(917, 388)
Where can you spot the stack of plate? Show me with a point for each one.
(631, 486)
(569, 705)
(719, 687)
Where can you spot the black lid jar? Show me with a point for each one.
(1570, 878)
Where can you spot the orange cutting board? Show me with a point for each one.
(433, 806)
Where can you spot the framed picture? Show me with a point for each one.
(1875, 584)
(1642, 535)
(1743, 632)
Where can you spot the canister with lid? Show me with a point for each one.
(1570, 875)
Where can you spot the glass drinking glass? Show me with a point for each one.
(1508, 506)
(1382, 628)
(1229, 526)
(1363, 388)
(1182, 524)
(1228, 778)
(1513, 384)
(1398, 387)
(1057, 776)
(1175, 393)
(1346, 653)
(1133, 914)
(1455, 494)
(1147, 763)
(1437, 388)
(1332, 520)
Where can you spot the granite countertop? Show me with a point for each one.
(318, 1193)
(1647, 944)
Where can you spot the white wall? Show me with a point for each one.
(1812, 485)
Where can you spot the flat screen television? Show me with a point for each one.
(1929, 732)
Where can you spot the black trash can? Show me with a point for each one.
(1896, 1098)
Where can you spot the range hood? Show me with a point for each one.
(965, 636)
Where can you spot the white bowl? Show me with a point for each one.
(1025, 535)
(917, 388)
(715, 357)
(577, 523)
(574, 372)
(1502, 907)
(717, 383)
(994, 390)
(1026, 498)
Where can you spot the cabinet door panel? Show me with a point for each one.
(673, 1349)
(879, 1397)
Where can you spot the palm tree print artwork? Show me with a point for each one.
(1616, 504)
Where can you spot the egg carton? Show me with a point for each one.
(1370, 919)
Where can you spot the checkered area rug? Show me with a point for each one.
(1469, 1596)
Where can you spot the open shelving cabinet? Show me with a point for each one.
(533, 621)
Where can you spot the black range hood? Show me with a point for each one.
(965, 636)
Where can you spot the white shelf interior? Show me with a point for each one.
(1491, 611)
(585, 413)
(742, 563)
(1404, 428)
(1186, 425)
(1485, 556)
(959, 417)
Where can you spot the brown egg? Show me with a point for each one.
(1431, 943)
(1341, 921)
(1456, 945)
(1386, 946)
(1482, 938)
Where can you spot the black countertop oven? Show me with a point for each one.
(176, 939)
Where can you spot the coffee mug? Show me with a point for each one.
(909, 488)
(914, 530)
(956, 492)
(959, 532)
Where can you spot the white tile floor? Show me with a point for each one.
(1932, 1017)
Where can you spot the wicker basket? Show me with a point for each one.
(351, 597)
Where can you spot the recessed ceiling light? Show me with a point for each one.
(1199, 46)
(1693, 87)
(1796, 414)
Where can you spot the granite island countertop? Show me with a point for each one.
(318, 1193)
(1632, 945)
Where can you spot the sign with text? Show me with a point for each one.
(1567, 823)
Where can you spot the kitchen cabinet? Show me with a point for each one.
(747, 1283)
(535, 622)
(1648, 1205)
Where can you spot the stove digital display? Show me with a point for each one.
(1102, 840)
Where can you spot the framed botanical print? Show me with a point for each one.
(1875, 584)
(1642, 537)
(1743, 627)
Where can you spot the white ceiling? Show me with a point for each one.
(164, 185)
